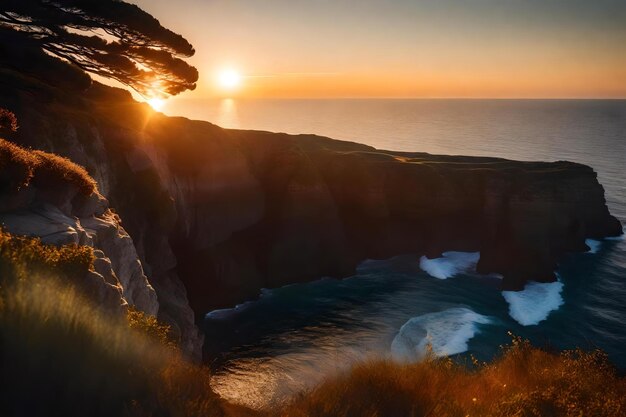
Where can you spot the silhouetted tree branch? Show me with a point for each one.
(110, 38)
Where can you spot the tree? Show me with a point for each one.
(110, 38)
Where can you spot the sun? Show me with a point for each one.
(156, 103)
(229, 79)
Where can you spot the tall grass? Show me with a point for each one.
(61, 356)
(523, 381)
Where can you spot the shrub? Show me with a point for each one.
(8, 121)
(53, 170)
(523, 381)
(16, 167)
(62, 356)
(20, 168)
(150, 326)
(23, 256)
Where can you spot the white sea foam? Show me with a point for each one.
(620, 237)
(450, 264)
(446, 331)
(594, 245)
(535, 303)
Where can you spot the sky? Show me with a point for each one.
(403, 48)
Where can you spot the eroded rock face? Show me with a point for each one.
(118, 279)
(342, 203)
(216, 215)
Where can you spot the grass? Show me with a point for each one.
(61, 356)
(523, 381)
(20, 168)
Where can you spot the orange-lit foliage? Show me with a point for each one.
(50, 336)
(58, 348)
(8, 121)
(22, 256)
(524, 381)
(149, 325)
(20, 167)
(54, 169)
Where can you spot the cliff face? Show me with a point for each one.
(40, 197)
(118, 279)
(217, 214)
(329, 205)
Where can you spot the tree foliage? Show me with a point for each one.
(110, 38)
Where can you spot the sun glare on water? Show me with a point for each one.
(156, 103)
(229, 79)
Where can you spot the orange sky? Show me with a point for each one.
(404, 48)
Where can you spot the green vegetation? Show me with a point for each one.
(20, 168)
(22, 256)
(149, 325)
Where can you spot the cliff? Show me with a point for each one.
(45, 196)
(217, 214)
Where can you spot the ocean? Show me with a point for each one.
(293, 336)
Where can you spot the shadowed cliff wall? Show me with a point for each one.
(218, 214)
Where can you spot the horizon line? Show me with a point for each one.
(398, 98)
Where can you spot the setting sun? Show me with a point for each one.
(229, 79)
(246, 208)
(156, 103)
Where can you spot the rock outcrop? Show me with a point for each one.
(218, 214)
(118, 279)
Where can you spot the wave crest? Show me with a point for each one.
(450, 264)
(446, 331)
(535, 303)
(594, 245)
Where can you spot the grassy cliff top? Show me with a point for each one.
(523, 381)
(21, 168)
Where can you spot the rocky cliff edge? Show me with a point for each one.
(215, 215)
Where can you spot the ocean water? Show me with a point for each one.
(264, 351)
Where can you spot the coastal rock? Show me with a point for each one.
(118, 279)
(113, 241)
(215, 215)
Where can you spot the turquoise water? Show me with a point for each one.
(287, 340)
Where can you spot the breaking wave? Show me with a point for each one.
(594, 245)
(450, 264)
(535, 303)
(447, 332)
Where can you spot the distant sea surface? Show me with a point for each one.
(293, 336)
